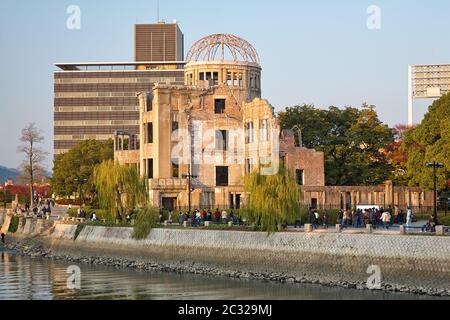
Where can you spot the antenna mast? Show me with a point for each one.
(157, 10)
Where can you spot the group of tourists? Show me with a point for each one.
(199, 217)
(42, 208)
(83, 214)
(377, 217)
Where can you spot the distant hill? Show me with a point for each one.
(6, 174)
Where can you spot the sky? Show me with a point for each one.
(317, 52)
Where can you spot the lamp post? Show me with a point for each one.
(435, 165)
(81, 182)
(189, 176)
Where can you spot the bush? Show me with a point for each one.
(80, 228)
(146, 220)
(14, 224)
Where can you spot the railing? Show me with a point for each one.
(169, 183)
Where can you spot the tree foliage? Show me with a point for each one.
(428, 142)
(146, 220)
(272, 199)
(79, 163)
(120, 189)
(353, 140)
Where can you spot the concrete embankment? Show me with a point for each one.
(417, 264)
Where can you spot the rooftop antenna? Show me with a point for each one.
(157, 10)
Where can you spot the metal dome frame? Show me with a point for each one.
(208, 48)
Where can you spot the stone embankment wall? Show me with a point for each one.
(413, 261)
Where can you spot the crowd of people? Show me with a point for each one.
(199, 217)
(377, 217)
(42, 208)
(83, 214)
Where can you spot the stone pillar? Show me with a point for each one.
(389, 199)
(207, 224)
(440, 231)
(309, 228)
(338, 228)
(369, 228)
(402, 230)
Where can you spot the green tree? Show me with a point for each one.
(79, 163)
(428, 142)
(120, 189)
(353, 140)
(272, 199)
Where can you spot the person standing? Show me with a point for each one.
(316, 219)
(217, 215)
(325, 219)
(170, 217)
(409, 218)
(386, 219)
(3, 238)
(181, 218)
(224, 217)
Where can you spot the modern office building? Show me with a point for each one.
(158, 42)
(93, 100)
(430, 81)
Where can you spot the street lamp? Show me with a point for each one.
(81, 182)
(435, 165)
(189, 176)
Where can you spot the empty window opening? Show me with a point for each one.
(221, 140)
(222, 176)
(299, 177)
(150, 132)
(219, 106)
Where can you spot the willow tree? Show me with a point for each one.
(272, 199)
(120, 189)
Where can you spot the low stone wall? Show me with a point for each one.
(414, 262)
(5, 221)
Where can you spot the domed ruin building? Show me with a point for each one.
(197, 141)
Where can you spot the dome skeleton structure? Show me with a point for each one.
(215, 48)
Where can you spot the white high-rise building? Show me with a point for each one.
(425, 82)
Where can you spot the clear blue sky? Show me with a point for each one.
(319, 52)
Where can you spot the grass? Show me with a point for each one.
(14, 224)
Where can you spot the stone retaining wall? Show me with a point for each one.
(413, 261)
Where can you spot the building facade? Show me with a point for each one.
(158, 42)
(92, 100)
(199, 140)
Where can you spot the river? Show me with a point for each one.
(23, 278)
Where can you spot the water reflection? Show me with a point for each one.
(23, 278)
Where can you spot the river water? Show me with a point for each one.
(23, 278)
